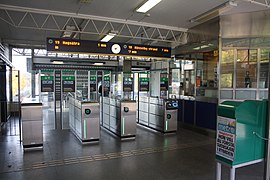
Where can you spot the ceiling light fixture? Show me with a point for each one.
(214, 12)
(147, 6)
(57, 62)
(203, 46)
(109, 36)
(69, 30)
(98, 64)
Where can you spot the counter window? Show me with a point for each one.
(246, 69)
(226, 69)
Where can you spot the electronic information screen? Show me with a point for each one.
(108, 48)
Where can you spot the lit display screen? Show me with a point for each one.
(108, 48)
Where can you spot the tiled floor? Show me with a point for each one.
(186, 156)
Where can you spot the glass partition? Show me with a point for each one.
(82, 85)
(244, 68)
(264, 68)
(227, 69)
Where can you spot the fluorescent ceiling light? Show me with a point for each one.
(58, 62)
(98, 64)
(147, 6)
(68, 31)
(203, 46)
(108, 37)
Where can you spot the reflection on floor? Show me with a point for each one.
(186, 156)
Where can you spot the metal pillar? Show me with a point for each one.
(267, 153)
(218, 171)
(232, 173)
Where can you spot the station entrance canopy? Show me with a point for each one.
(106, 48)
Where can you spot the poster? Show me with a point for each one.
(225, 140)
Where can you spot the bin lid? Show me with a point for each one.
(228, 108)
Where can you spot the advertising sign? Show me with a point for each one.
(225, 141)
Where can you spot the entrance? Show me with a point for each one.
(57, 86)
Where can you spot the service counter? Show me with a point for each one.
(198, 112)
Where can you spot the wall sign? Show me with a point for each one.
(68, 83)
(47, 84)
(127, 84)
(164, 82)
(108, 48)
(93, 83)
(143, 84)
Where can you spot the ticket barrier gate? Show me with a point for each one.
(158, 114)
(84, 120)
(32, 123)
(119, 117)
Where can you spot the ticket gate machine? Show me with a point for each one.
(158, 114)
(84, 120)
(170, 115)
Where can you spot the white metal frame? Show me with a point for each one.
(133, 29)
(266, 3)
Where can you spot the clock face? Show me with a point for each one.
(116, 48)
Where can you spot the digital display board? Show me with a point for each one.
(108, 48)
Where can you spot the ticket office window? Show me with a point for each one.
(206, 75)
(264, 68)
(246, 68)
(227, 69)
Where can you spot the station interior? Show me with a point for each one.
(134, 89)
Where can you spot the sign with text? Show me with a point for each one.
(68, 83)
(128, 84)
(57, 86)
(107, 83)
(108, 48)
(93, 83)
(47, 84)
(164, 82)
(143, 84)
(225, 140)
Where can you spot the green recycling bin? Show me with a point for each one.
(240, 129)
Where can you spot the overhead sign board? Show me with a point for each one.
(108, 48)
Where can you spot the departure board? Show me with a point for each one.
(107, 48)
